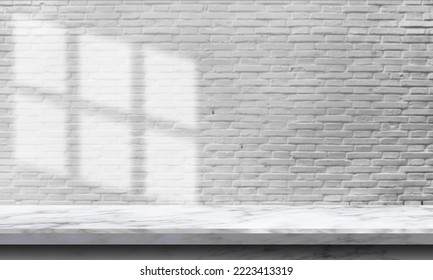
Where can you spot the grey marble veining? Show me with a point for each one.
(195, 224)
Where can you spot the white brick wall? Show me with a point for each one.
(216, 102)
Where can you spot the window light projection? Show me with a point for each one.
(40, 134)
(105, 71)
(96, 103)
(170, 88)
(39, 67)
(105, 85)
(170, 97)
(39, 55)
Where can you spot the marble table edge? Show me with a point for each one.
(18, 226)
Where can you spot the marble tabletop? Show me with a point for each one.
(196, 224)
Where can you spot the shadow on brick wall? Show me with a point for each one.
(218, 102)
(99, 119)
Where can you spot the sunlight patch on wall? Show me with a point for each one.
(39, 57)
(105, 72)
(170, 88)
(40, 135)
(104, 152)
(170, 97)
(171, 164)
(109, 132)
(105, 77)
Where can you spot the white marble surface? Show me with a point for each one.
(215, 225)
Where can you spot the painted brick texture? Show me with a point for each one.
(216, 102)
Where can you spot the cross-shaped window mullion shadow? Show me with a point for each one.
(134, 118)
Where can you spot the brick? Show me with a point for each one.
(361, 83)
(335, 148)
(383, 16)
(361, 198)
(417, 169)
(417, 198)
(310, 155)
(389, 162)
(390, 148)
(304, 198)
(333, 61)
(366, 68)
(358, 184)
(418, 112)
(332, 177)
(360, 8)
(416, 24)
(355, 155)
(389, 176)
(416, 126)
(271, 30)
(360, 141)
(331, 191)
(362, 169)
(362, 126)
(416, 141)
(306, 169)
(302, 140)
(102, 16)
(332, 162)
(417, 68)
(334, 104)
(417, 54)
(328, 30)
(334, 118)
